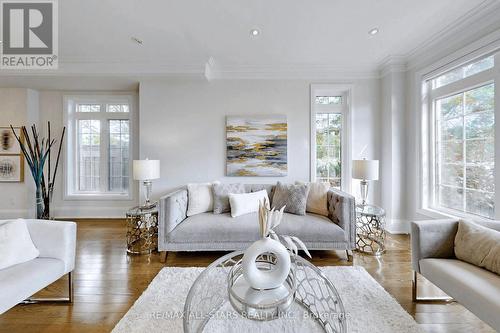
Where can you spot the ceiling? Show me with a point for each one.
(181, 36)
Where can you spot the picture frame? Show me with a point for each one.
(8, 142)
(11, 169)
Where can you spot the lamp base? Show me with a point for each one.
(364, 191)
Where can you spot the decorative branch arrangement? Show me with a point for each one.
(269, 220)
(38, 155)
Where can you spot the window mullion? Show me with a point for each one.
(496, 199)
(464, 156)
(104, 149)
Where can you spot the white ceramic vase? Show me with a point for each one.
(266, 279)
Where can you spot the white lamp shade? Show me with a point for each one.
(146, 169)
(365, 169)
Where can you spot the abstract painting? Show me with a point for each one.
(8, 142)
(11, 168)
(256, 146)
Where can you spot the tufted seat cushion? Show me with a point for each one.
(222, 228)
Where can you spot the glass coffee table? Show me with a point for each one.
(317, 306)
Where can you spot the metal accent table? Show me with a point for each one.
(370, 229)
(315, 296)
(142, 229)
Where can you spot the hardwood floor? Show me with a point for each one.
(107, 282)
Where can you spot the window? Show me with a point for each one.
(329, 119)
(99, 150)
(463, 171)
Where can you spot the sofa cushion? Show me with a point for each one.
(246, 203)
(478, 245)
(221, 196)
(208, 227)
(16, 245)
(200, 198)
(317, 198)
(474, 287)
(293, 197)
(23, 280)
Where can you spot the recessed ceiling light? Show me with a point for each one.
(373, 31)
(137, 40)
(254, 32)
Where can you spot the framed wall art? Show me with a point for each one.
(11, 168)
(8, 142)
(256, 146)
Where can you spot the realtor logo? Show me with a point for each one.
(29, 34)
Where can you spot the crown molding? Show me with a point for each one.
(455, 34)
(392, 64)
(295, 72)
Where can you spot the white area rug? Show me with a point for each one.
(368, 306)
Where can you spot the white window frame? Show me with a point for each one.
(428, 205)
(71, 154)
(346, 91)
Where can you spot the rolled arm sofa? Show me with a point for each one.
(221, 232)
(56, 242)
(433, 257)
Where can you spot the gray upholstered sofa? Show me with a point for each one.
(433, 257)
(221, 232)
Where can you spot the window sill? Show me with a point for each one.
(443, 213)
(98, 197)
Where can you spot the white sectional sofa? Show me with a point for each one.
(56, 242)
(433, 257)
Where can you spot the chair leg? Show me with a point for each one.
(69, 299)
(416, 298)
(163, 256)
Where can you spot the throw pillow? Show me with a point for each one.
(221, 196)
(16, 245)
(246, 203)
(478, 245)
(294, 197)
(317, 199)
(200, 198)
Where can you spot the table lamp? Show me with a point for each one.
(145, 171)
(365, 170)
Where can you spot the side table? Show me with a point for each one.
(142, 229)
(370, 229)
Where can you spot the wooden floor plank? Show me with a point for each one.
(107, 282)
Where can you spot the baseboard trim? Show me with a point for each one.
(397, 226)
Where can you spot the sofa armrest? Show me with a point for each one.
(342, 211)
(172, 211)
(432, 239)
(55, 239)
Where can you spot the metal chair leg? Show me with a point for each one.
(69, 299)
(414, 293)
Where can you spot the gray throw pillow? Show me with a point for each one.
(221, 196)
(294, 197)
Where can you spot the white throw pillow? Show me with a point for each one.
(200, 198)
(245, 203)
(16, 245)
(317, 199)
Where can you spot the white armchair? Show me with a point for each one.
(56, 242)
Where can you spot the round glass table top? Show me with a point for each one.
(316, 307)
(370, 210)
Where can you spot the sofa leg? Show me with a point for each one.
(416, 299)
(163, 256)
(69, 299)
(348, 255)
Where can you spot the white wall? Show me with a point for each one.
(182, 123)
(14, 111)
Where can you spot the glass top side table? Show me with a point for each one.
(142, 229)
(370, 229)
(315, 296)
